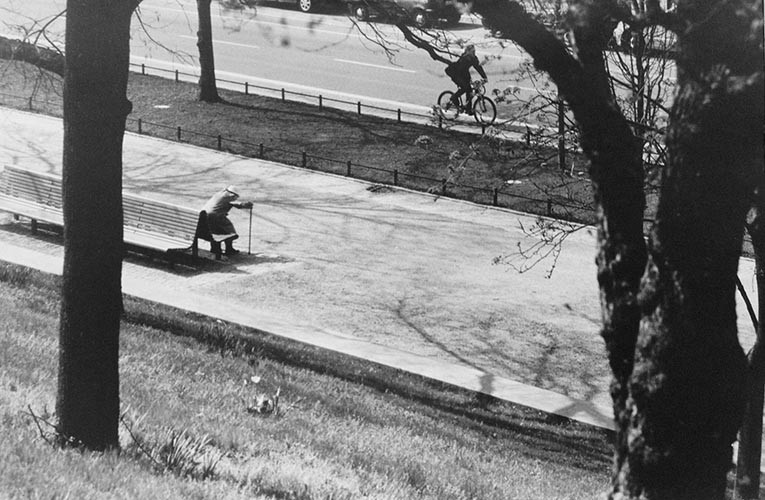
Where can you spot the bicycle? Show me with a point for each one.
(484, 109)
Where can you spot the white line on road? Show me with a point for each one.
(222, 42)
(375, 66)
(277, 84)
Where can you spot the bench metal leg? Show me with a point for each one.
(34, 225)
(216, 249)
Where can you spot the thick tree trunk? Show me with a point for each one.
(208, 89)
(95, 109)
(617, 175)
(679, 372)
(688, 385)
(750, 436)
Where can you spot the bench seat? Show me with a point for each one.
(32, 211)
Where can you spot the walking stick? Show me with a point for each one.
(249, 235)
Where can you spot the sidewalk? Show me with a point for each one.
(399, 278)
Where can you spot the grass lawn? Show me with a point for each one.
(343, 429)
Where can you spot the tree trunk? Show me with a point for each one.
(95, 109)
(208, 89)
(688, 385)
(750, 436)
(679, 372)
(616, 172)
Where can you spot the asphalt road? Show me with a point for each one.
(322, 53)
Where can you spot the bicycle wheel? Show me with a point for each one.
(484, 110)
(448, 109)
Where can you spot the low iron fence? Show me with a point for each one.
(553, 206)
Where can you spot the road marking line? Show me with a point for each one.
(375, 66)
(222, 42)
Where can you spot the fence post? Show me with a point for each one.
(528, 136)
(283, 96)
(443, 186)
(549, 207)
(358, 107)
(140, 126)
(305, 158)
(495, 199)
(246, 88)
(561, 136)
(176, 76)
(320, 102)
(440, 121)
(261, 150)
(179, 133)
(399, 114)
(220, 142)
(143, 69)
(348, 169)
(395, 177)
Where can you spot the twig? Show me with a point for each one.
(138, 443)
(37, 421)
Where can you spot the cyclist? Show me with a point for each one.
(459, 72)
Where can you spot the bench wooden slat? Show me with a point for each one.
(34, 186)
(138, 237)
(31, 210)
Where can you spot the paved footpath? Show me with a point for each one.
(400, 278)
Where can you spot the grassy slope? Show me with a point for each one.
(345, 430)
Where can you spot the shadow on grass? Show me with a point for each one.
(542, 436)
(536, 434)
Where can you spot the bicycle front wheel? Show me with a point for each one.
(448, 108)
(484, 110)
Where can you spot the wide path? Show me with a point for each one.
(398, 277)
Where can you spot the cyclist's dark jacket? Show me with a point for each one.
(460, 69)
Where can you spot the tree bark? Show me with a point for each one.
(617, 175)
(750, 437)
(95, 110)
(688, 385)
(679, 371)
(208, 89)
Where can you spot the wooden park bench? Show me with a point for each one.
(147, 224)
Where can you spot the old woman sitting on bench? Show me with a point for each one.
(217, 209)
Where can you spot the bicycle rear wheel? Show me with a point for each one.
(448, 108)
(484, 110)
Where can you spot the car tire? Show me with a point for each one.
(361, 12)
(306, 5)
(420, 18)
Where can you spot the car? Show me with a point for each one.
(421, 13)
(303, 5)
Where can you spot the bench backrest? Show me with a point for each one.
(157, 216)
(37, 187)
(138, 212)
